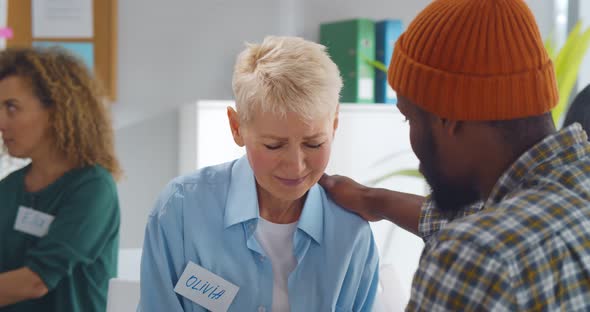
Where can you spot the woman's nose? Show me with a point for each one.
(296, 160)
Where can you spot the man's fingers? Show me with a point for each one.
(326, 181)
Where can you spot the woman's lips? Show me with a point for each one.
(291, 182)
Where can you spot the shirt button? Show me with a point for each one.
(262, 258)
(261, 309)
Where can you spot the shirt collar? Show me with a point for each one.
(242, 202)
(311, 220)
(560, 144)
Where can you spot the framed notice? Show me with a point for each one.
(86, 28)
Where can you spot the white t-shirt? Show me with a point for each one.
(277, 242)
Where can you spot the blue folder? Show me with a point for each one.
(386, 33)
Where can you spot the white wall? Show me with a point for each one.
(544, 14)
(171, 53)
(148, 151)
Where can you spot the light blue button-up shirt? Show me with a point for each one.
(210, 217)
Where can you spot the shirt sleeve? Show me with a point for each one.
(456, 276)
(365, 296)
(86, 222)
(162, 258)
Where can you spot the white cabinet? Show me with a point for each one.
(204, 136)
(371, 140)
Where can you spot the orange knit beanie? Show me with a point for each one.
(474, 60)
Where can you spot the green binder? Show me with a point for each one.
(350, 44)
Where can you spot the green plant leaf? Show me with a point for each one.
(414, 173)
(562, 57)
(376, 64)
(390, 157)
(567, 67)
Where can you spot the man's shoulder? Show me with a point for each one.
(519, 222)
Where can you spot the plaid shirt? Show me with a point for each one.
(526, 249)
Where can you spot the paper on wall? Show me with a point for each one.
(3, 21)
(62, 19)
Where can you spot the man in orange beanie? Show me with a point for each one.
(507, 226)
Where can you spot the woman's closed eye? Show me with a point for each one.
(273, 147)
(310, 145)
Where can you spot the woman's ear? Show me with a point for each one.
(234, 124)
(336, 119)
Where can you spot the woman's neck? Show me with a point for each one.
(279, 211)
(45, 170)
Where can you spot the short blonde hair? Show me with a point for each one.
(286, 74)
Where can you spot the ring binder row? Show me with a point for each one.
(353, 45)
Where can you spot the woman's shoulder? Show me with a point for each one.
(93, 177)
(194, 187)
(89, 183)
(339, 217)
(215, 174)
(346, 231)
(87, 174)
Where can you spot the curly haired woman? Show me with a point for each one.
(59, 216)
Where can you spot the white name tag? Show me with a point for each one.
(205, 288)
(32, 221)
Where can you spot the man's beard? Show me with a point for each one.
(449, 198)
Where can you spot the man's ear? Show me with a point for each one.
(234, 125)
(451, 127)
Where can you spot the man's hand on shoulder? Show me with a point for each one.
(349, 194)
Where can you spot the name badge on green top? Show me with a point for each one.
(32, 222)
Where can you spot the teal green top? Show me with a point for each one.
(78, 255)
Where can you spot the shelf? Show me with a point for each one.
(377, 107)
(344, 107)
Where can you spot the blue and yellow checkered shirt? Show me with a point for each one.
(526, 249)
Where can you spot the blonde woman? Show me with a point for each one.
(260, 228)
(59, 216)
